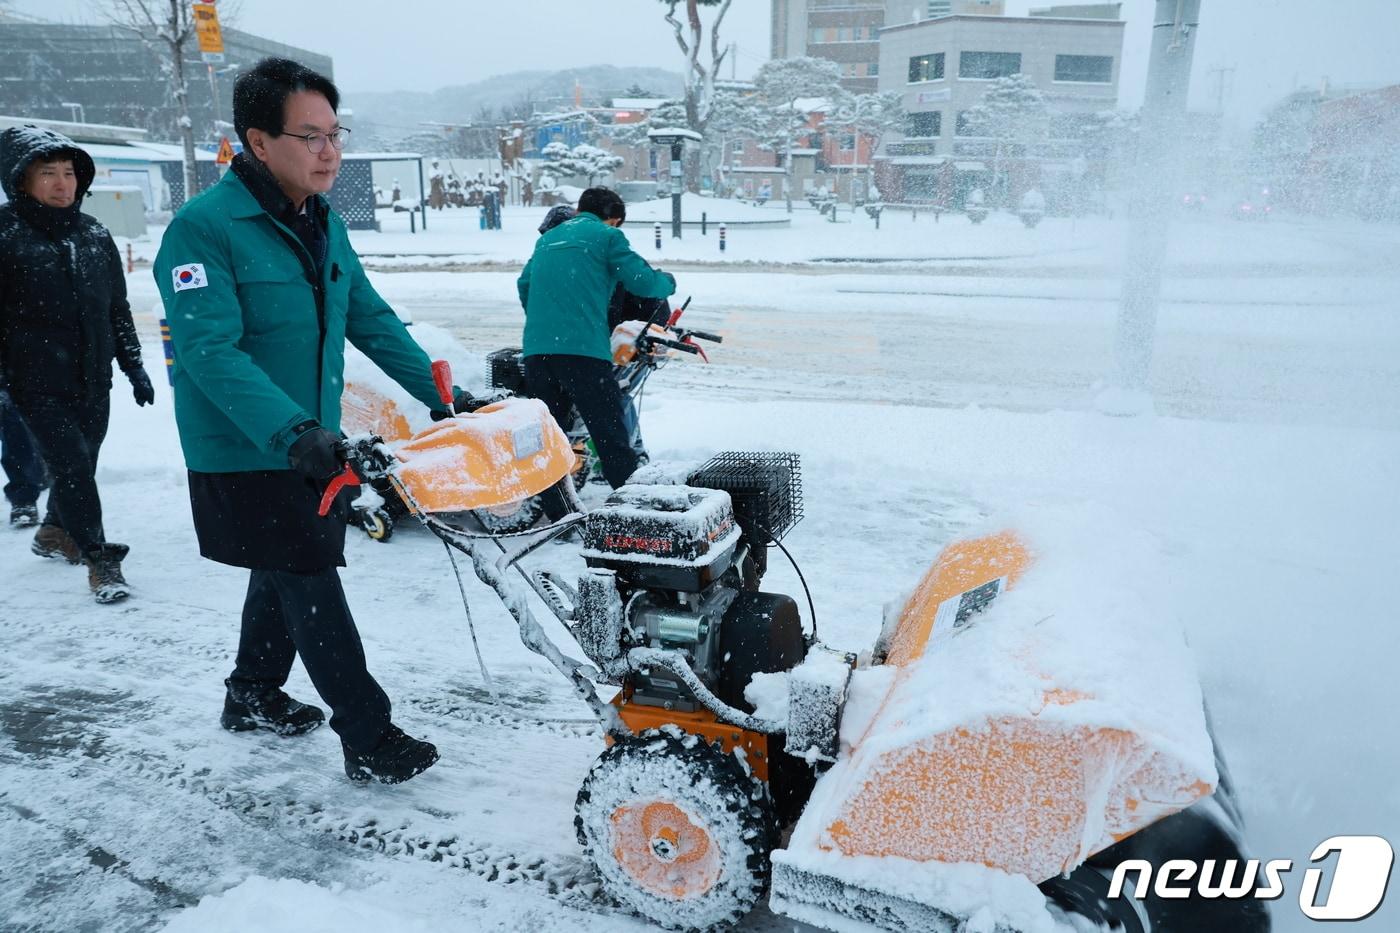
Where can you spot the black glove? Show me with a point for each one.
(141, 387)
(462, 401)
(315, 453)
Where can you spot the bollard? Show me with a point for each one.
(704, 228)
(130, 260)
(658, 235)
(413, 221)
(722, 231)
(169, 351)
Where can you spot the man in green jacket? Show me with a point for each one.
(565, 289)
(262, 289)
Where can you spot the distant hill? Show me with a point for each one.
(398, 113)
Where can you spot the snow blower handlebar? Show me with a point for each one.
(365, 460)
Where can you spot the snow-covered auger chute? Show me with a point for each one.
(1002, 747)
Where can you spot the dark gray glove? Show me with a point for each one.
(141, 387)
(462, 401)
(315, 453)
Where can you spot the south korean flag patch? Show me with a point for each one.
(190, 275)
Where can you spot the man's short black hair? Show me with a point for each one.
(260, 94)
(604, 202)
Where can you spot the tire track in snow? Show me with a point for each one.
(63, 726)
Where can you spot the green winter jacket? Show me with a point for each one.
(251, 360)
(566, 285)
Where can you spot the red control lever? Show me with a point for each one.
(698, 349)
(347, 478)
(442, 379)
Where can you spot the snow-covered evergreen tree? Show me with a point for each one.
(1013, 114)
(583, 160)
(781, 84)
(871, 116)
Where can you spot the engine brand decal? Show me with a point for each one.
(637, 543)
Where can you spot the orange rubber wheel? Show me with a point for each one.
(677, 829)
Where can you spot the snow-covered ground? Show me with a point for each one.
(925, 401)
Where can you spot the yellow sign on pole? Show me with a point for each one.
(225, 155)
(206, 27)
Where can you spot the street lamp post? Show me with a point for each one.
(676, 138)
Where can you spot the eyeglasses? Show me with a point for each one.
(317, 141)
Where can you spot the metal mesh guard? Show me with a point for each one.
(766, 488)
(505, 369)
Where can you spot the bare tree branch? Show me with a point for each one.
(676, 25)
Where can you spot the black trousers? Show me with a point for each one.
(19, 457)
(286, 614)
(69, 435)
(563, 381)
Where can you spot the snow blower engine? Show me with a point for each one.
(674, 573)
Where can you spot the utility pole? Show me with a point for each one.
(1159, 156)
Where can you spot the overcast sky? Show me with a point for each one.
(1272, 46)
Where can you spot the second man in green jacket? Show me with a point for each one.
(565, 289)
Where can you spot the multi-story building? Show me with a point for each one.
(106, 74)
(943, 66)
(847, 31)
(844, 31)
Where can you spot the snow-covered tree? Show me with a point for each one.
(425, 143)
(732, 117)
(1013, 114)
(699, 75)
(871, 116)
(166, 28)
(583, 160)
(781, 84)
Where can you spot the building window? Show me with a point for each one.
(926, 67)
(1088, 69)
(872, 70)
(923, 125)
(984, 66)
(962, 127)
(846, 142)
(821, 35)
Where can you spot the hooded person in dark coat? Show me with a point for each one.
(64, 318)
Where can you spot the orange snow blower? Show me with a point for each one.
(1022, 726)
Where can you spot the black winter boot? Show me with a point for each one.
(53, 541)
(104, 563)
(24, 516)
(394, 760)
(270, 709)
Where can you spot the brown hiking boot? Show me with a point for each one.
(104, 564)
(53, 541)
